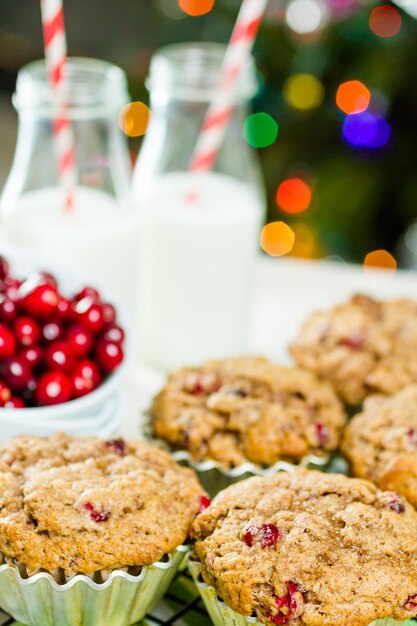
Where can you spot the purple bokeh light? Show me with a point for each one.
(366, 130)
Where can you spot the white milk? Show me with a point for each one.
(197, 265)
(98, 237)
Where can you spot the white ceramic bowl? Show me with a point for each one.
(97, 413)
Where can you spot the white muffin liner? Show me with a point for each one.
(223, 615)
(117, 598)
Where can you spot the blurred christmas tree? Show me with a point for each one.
(339, 78)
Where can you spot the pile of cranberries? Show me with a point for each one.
(52, 348)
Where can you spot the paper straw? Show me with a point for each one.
(215, 124)
(56, 57)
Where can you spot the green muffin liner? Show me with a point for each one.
(121, 599)
(223, 615)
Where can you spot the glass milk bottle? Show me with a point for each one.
(98, 236)
(199, 233)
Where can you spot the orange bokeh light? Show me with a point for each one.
(293, 195)
(196, 7)
(353, 97)
(380, 258)
(134, 119)
(277, 238)
(385, 21)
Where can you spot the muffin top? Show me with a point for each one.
(84, 504)
(381, 442)
(362, 346)
(313, 549)
(247, 409)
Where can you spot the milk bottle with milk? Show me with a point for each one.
(199, 233)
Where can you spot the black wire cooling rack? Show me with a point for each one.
(181, 606)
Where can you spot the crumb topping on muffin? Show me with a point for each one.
(247, 409)
(82, 504)
(362, 346)
(308, 548)
(381, 442)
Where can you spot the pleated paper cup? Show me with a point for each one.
(117, 598)
(215, 477)
(223, 615)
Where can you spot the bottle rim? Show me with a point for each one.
(91, 88)
(190, 71)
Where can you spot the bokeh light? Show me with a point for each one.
(260, 130)
(196, 7)
(366, 131)
(353, 97)
(306, 16)
(134, 119)
(380, 258)
(293, 195)
(307, 244)
(303, 91)
(277, 238)
(385, 21)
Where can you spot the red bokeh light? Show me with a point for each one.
(385, 21)
(293, 195)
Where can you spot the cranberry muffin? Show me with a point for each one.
(361, 347)
(380, 443)
(83, 504)
(247, 409)
(308, 548)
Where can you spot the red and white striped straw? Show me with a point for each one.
(56, 57)
(215, 124)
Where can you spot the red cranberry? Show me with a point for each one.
(27, 331)
(29, 392)
(59, 356)
(204, 503)
(51, 331)
(322, 433)
(114, 334)
(64, 309)
(8, 310)
(80, 340)
(96, 516)
(90, 314)
(5, 393)
(11, 288)
(41, 302)
(396, 505)
(42, 278)
(32, 356)
(411, 603)
(109, 313)
(288, 605)
(87, 292)
(16, 373)
(109, 355)
(355, 342)
(203, 384)
(412, 436)
(266, 534)
(14, 403)
(53, 388)
(7, 342)
(117, 445)
(85, 378)
(4, 267)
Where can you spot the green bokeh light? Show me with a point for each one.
(260, 130)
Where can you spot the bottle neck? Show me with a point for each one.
(90, 89)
